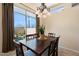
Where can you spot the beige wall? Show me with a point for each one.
(0, 27)
(65, 24)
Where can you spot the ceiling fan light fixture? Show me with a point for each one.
(45, 11)
(38, 11)
(42, 10)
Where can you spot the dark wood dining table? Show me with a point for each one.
(37, 46)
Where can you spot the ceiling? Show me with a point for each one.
(47, 4)
(35, 5)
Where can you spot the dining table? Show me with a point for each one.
(37, 46)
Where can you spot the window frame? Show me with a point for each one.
(26, 15)
(57, 9)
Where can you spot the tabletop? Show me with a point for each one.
(36, 45)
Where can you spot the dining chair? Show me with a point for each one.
(17, 47)
(56, 47)
(51, 34)
(20, 51)
(53, 49)
(31, 36)
(26, 53)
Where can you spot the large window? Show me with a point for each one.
(31, 23)
(24, 21)
(31, 20)
(57, 9)
(19, 20)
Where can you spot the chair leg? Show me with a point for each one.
(57, 52)
(53, 54)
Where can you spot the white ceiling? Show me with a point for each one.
(35, 5)
(47, 4)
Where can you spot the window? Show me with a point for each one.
(19, 20)
(24, 21)
(57, 9)
(31, 20)
(31, 23)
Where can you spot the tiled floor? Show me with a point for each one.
(65, 52)
(62, 52)
(11, 53)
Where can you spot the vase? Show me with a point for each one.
(42, 36)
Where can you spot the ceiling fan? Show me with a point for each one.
(42, 10)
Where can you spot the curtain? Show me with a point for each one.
(8, 27)
(37, 25)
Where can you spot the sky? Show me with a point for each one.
(19, 20)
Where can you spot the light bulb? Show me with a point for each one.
(45, 11)
(37, 12)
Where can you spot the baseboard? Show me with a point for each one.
(69, 49)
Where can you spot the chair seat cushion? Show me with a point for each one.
(29, 53)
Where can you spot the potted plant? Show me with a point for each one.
(42, 31)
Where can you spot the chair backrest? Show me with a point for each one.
(57, 41)
(19, 50)
(26, 51)
(30, 36)
(54, 45)
(51, 34)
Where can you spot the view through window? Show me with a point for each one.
(24, 22)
